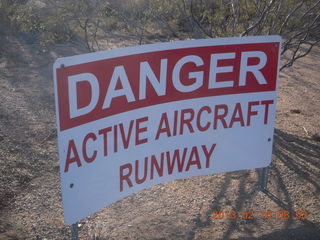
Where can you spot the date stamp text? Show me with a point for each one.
(262, 214)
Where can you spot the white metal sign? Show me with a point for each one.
(134, 117)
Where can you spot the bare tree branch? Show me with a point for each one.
(295, 57)
(289, 16)
(209, 34)
(261, 18)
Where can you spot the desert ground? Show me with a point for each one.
(30, 197)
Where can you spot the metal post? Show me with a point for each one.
(74, 231)
(264, 179)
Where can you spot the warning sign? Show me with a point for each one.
(134, 117)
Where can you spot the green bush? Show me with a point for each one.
(297, 21)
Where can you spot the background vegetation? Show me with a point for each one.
(88, 22)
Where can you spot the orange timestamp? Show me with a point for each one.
(262, 214)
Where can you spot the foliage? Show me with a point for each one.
(25, 19)
(297, 21)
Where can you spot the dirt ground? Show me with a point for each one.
(30, 198)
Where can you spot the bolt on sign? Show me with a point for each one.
(135, 117)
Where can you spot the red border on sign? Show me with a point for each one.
(103, 70)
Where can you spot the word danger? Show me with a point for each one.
(147, 76)
(135, 81)
(123, 135)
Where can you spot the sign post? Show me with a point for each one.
(263, 180)
(135, 117)
(74, 231)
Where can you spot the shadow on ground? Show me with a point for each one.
(291, 153)
(304, 232)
